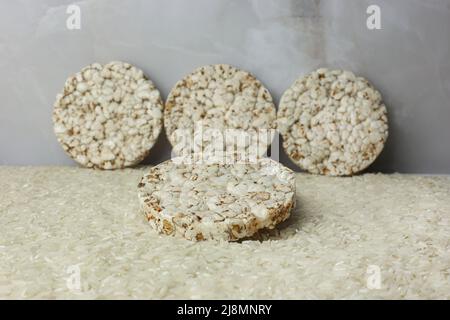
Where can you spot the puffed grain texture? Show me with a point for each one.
(332, 122)
(216, 201)
(219, 97)
(108, 116)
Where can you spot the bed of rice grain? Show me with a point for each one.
(56, 217)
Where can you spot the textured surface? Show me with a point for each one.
(213, 99)
(408, 60)
(54, 218)
(108, 116)
(332, 122)
(203, 201)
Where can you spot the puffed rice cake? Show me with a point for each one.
(214, 99)
(332, 122)
(200, 201)
(108, 116)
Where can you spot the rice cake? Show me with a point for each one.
(108, 116)
(200, 201)
(332, 122)
(215, 102)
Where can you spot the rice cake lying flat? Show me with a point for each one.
(332, 122)
(216, 201)
(108, 116)
(214, 99)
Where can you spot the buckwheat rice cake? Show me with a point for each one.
(200, 201)
(108, 116)
(213, 99)
(332, 122)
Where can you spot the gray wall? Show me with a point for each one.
(408, 61)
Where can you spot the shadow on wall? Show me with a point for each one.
(160, 151)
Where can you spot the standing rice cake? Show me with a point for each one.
(216, 201)
(215, 100)
(108, 116)
(332, 122)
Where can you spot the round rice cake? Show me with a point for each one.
(332, 122)
(214, 103)
(108, 116)
(200, 201)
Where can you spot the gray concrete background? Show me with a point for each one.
(408, 60)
